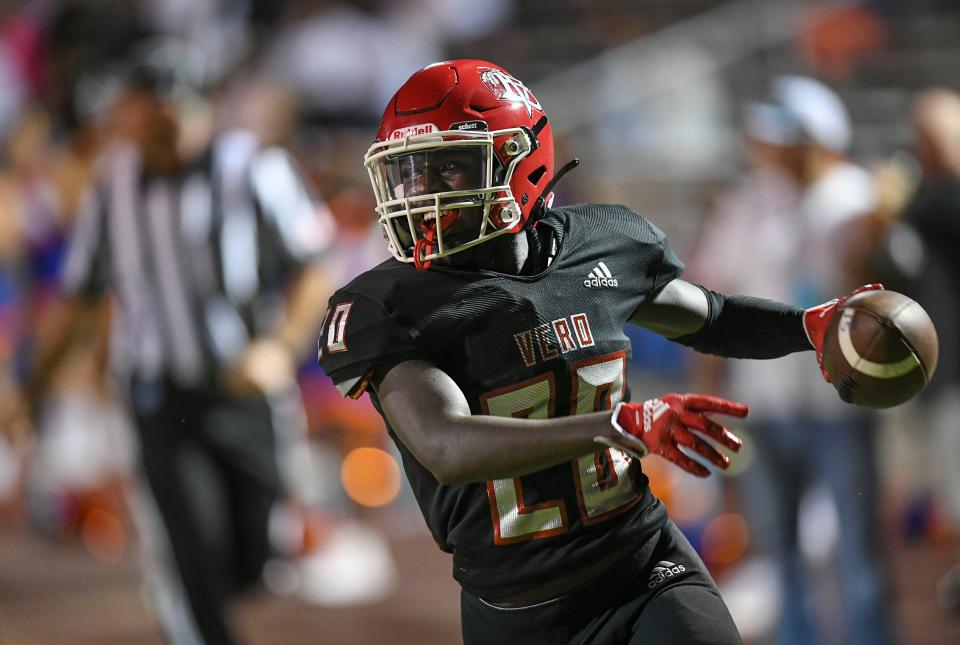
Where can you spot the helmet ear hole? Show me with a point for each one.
(537, 175)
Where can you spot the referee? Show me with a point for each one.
(213, 265)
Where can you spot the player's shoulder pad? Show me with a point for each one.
(361, 334)
(616, 219)
(379, 283)
(617, 229)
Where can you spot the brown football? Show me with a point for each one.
(880, 349)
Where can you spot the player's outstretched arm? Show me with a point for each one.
(678, 309)
(732, 326)
(431, 416)
(737, 326)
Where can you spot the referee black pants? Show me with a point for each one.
(210, 464)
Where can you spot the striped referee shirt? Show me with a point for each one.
(197, 261)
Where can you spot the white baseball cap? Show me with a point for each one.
(800, 110)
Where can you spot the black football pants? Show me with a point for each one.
(668, 599)
(209, 461)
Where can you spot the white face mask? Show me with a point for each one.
(442, 192)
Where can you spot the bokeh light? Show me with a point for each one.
(103, 535)
(693, 499)
(725, 539)
(370, 476)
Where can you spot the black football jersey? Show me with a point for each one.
(536, 346)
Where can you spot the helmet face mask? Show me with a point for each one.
(447, 177)
(452, 153)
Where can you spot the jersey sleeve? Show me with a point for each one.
(359, 339)
(669, 266)
(646, 245)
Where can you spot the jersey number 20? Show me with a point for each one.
(603, 486)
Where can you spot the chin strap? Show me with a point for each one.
(541, 204)
(423, 248)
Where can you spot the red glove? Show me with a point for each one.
(816, 319)
(663, 425)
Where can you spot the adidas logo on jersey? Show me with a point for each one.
(662, 571)
(600, 277)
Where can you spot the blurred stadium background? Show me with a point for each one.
(648, 93)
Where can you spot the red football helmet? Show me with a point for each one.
(463, 153)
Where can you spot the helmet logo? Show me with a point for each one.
(412, 130)
(507, 88)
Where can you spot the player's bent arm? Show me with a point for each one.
(676, 310)
(732, 326)
(432, 417)
(430, 414)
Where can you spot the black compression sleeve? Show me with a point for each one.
(746, 327)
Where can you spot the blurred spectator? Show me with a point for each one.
(85, 36)
(782, 235)
(214, 31)
(317, 56)
(31, 229)
(933, 214)
(214, 263)
(317, 52)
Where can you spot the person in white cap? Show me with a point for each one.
(784, 234)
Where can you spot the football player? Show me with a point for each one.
(493, 345)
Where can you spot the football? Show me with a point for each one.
(880, 349)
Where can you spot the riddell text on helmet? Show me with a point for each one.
(413, 130)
